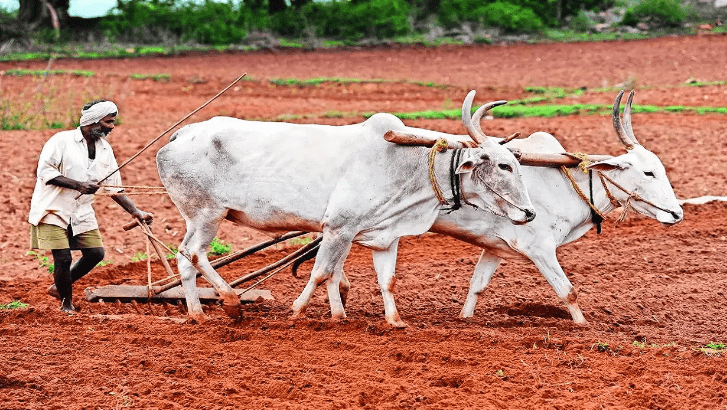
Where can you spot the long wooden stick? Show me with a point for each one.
(219, 262)
(172, 127)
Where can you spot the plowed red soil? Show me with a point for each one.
(654, 297)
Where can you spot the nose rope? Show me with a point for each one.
(632, 196)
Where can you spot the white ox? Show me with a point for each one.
(636, 180)
(344, 181)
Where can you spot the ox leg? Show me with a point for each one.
(547, 262)
(195, 246)
(385, 266)
(329, 264)
(485, 268)
(188, 274)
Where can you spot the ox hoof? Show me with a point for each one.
(399, 324)
(338, 317)
(297, 314)
(198, 318)
(233, 311)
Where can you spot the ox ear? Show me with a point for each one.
(607, 165)
(466, 167)
(470, 163)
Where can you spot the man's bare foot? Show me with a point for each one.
(53, 291)
(68, 307)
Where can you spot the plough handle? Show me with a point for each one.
(131, 225)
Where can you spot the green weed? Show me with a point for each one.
(44, 261)
(19, 72)
(104, 263)
(13, 305)
(174, 249)
(712, 349)
(300, 241)
(160, 78)
(139, 256)
(218, 247)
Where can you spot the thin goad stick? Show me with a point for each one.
(169, 129)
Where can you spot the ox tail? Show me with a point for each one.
(304, 258)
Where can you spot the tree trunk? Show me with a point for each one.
(298, 4)
(34, 14)
(276, 6)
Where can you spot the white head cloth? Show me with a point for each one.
(97, 111)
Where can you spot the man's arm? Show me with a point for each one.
(82, 187)
(129, 207)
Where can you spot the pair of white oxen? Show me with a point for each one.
(352, 185)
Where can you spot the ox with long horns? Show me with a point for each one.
(635, 180)
(344, 181)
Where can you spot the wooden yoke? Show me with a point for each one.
(403, 138)
(525, 158)
(539, 159)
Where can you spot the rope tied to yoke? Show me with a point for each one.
(583, 157)
(578, 190)
(439, 146)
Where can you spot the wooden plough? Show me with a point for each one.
(171, 291)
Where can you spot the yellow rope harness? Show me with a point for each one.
(583, 196)
(134, 190)
(440, 146)
(585, 161)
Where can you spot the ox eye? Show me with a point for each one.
(649, 174)
(505, 167)
(485, 157)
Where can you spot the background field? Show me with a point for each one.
(654, 297)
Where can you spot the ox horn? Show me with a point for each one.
(620, 131)
(627, 119)
(475, 131)
(477, 118)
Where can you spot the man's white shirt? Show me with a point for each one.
(66, 154)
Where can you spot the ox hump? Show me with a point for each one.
(537, 142)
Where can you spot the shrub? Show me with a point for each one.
(210, 22)
(581, 22)
(147, 21)
(352, 21)
(512, 18)
(670, 13)
(452, 13)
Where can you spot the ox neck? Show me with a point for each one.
(446, 179)
(588, 184)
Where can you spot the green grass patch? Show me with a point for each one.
(13, 305)
(314, 82)
(139, 256)
(43, 261)
(19, 72)
(547, 111)
(218, 247)
(712, 349)
(160, 78)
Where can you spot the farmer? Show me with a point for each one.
(70, 169)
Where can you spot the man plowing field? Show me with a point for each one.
(71, 165)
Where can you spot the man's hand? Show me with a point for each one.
(87, 188)
(143, 216)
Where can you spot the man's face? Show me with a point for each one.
(102, 128)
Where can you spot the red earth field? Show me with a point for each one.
(654, 297)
